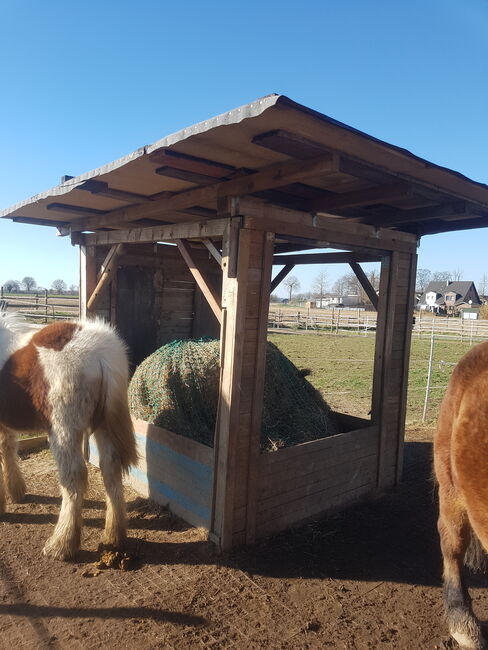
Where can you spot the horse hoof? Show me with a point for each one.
(59, 549)
(17, 492)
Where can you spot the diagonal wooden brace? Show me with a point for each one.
(365, 283)
(105, 274)
(205, 286)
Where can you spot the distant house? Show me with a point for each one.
(449, 297)
(337, 300)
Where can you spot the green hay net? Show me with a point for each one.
(177, 388)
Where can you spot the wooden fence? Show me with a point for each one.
(358, 321)
(41, 306)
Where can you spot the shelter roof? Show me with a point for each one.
(274, 149)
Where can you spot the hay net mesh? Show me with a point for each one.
(177, 388)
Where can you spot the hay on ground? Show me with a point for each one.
(177, 388)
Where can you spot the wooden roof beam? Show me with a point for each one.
(170, 233)
(325, 258)
(360, 198)
(100, 188)
(399, 217)
(272, 176)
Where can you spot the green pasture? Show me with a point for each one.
(342, 368)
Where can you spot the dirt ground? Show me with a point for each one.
(368, 577)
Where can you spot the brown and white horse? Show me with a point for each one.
(69, 379)
(461, 467)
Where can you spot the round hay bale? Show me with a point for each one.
(177, 388)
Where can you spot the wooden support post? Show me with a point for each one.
(245, 301)
(393, 336)
(365, 283)
(105, 274)
(88, 278)
(206, 287)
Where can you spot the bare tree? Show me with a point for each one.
(58, 286)
(29, 283)
(12, 286)
(74, 289)
(374, 278)
(319, 286)
(292, 283)
(340, 286)
(424, 276)
(483, 285)
(441, 276)
(457, 275)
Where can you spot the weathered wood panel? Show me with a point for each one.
(173, 470)
(307, 480)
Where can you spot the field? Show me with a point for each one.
(342, 369)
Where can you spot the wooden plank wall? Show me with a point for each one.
(173, 471)
(157, 300)
(304, 481)
(395, 317)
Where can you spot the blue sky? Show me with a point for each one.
(85, 83)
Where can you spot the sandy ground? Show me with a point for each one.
(368, 577)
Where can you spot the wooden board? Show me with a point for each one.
(173, 471)
(310, 479)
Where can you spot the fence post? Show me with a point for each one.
(429, 374)
(45, 311)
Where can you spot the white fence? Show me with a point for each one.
(358, 321)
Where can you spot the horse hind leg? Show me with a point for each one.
(111, 468)
(67, 451)
(455, 535)
(13, 479)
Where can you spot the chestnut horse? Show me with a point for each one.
(69, 379)
(461, 467)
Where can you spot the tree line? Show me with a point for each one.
(346, 284)
(29, 285)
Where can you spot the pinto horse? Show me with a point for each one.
(461, 467)
(69, 379)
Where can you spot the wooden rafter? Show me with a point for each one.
(275, 175)
(105, 274)
(324, 258)
(365, 283)
(280, 276)
(205, 286)
(379, 194)
(102, 189)
(398, 217)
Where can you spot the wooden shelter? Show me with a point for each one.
(233, 196)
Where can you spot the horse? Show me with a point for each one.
(461, 469)
(68, 379)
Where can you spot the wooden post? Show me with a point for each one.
(46, 301)
(393, 336)
(245, 303)
(88, 278)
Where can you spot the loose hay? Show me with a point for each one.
(177, 388)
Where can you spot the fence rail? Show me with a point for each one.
(364, 322)
(41, 306)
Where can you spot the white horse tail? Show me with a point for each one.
(115, 420)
